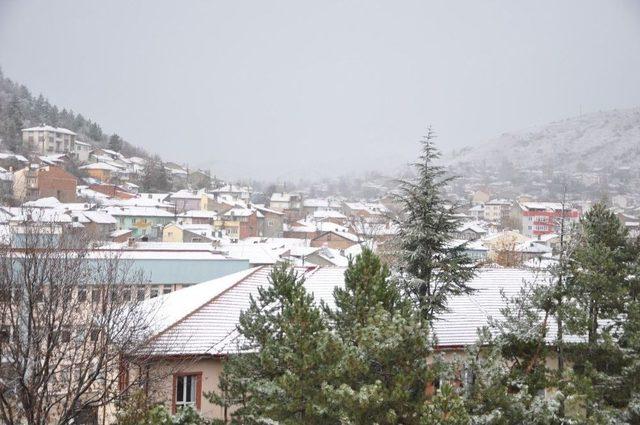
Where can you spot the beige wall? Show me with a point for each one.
(211, 368)
(172, 233)
(162, 375)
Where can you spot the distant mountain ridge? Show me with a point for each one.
(587, 142)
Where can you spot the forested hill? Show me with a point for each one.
(19, 109)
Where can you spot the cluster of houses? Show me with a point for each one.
(204, 252)
(54, 151)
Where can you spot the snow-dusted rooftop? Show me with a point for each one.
(202, 319)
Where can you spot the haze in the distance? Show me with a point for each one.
(287, 89)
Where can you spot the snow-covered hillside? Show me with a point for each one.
(602, 139)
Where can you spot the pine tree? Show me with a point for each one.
(115, 143)
(287, 356)
(600, 267)
(433, 267)
(10, 132)
(602, 309)
(385, 368)
(155, 177)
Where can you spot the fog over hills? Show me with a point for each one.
(587, 142)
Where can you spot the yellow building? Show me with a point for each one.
(101, 171)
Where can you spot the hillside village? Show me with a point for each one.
(204, 245)
(101, 189)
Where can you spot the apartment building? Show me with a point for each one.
(543, 218)
(497, 210)
(50, 140)
(34, 182)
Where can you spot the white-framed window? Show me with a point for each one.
(186, 390)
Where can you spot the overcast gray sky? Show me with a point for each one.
(283, 89)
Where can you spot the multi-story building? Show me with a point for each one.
(82, 150)
(49, 140)
(273, 223)
(240, 223)
(33, 182)
(542, 218)
(497, 210)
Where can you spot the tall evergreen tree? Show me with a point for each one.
(155, 177)
(600, 291)
(287, 356)
(384, 369)
(12, 124)
(433, 267)
(600, 269)
(115, 143)
(364, 359)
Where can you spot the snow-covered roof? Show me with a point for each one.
(6, 155)
(241, 212)
(289, 243)
(257, 254)
(263, 209)
(99, 217)
(203, 319)
(473, 226)
(315, 203)
(499, 202)
(184, 194)
(198, 214)
(543, 206)
(50, 128)
(323, 214)
(100, 166)
(49, 202)
(345, 235)
(280, 197)
(42, 215)
(138, 211)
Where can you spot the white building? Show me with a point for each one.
(49, 140)
(497, 209)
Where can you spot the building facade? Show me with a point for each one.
(32, 183)
(49, 140)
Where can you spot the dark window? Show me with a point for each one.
(95, 335)
(5, 295)
(126, 294)
(82, 295)
(141, 294)
(95, 295)
(5, 333)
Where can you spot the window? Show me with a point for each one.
(95, 295)
(95, 335)
(166, 289)
(141, 294)
(82, 295)
(126, 294)
(153, 292)
(187, 388)
(65, 335)
(5, 295)
(5, 333)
